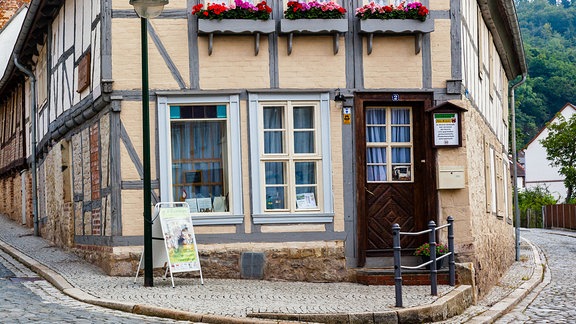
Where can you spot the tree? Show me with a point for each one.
(560, 145)
(530, 201)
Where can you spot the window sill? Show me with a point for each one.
(235, 27)
(396, 27)
(217, 219)
(273, 218)
(314, 27)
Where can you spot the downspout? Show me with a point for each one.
(33, 122)
(515, 161)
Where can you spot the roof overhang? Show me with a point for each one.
(502, 21)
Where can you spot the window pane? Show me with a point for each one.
(273, 142)
(401, 173)
(376, 155)
(400, 134)
(303, 117)
(304, 142)
(273, 118)
(401, 116)
(401, 155)
(376, 116)
(376, 173)
(306, 198)
(274, 172)
(305, 172)
(275, 198)
(198, 159)
(375, 134)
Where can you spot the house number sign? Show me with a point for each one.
(446, 129)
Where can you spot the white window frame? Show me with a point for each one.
(236, 214)
(325, 212)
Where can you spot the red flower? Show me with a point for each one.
(422, 11)
(197, 8)
(387, 8)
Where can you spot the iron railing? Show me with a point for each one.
(433, 258)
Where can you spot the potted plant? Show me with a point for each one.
(404, 18)
(314, 17)
(239, 17)
(423, 251)
(239, 9)
(314, 10)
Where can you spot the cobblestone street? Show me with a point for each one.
(553, 300)
(27, 298)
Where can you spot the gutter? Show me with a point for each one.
(33, 121)
(515, 159)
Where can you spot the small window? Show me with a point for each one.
(389, 144)
(291, 176)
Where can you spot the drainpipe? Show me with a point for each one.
(33, 120)
(515, 161)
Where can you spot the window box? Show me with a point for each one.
(396, 26)
(235, 26)
(314, 26)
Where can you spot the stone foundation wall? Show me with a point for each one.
(322, 263)
(11, 196)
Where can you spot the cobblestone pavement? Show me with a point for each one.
(224, 297)
(553, 301)
(518, 273)
(27, 298)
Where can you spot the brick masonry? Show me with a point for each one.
(8, 8)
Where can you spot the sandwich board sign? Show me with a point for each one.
(173, 227)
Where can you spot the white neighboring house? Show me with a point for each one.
(8, 36)
(538, 169)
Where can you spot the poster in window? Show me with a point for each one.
(204, 205)
(306, 200)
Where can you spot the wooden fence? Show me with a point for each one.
(562, 216)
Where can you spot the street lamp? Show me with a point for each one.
(147, 9)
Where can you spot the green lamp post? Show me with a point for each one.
(147, 9)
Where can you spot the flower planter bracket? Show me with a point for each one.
(335, 27)
(396, 27)
(235, 27)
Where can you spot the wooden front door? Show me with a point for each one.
(395, 172)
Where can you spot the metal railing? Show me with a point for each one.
(433, 258)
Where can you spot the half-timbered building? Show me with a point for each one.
(297, 144)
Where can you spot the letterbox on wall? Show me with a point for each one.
(451, 177)
(447, 124)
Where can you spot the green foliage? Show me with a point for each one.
(549, 34)
(530, 202)
(560, 145)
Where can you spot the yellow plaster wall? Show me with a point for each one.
(222, 69)
(434, 5)
(127, 56)
(174, 36)
(441, 53)
(131, 118)
(312, 63)
(214, 229)
(392, 63)
(132, 213)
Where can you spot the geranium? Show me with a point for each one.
(237, 10)
(314, 10)
(424, 249)
(413, 10)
